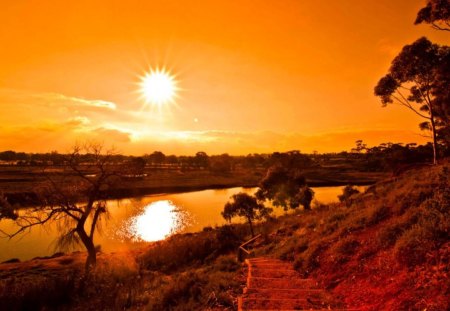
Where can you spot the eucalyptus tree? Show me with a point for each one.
(247, 206)
(285, 187)
(415, 81)
(436, 13)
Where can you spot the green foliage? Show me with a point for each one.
(344, 249)
(191, 249)
(285, 187)
(421, 69)
(6, 210)
(309, 260)
(387, 236)
(247, 206)
(431, 228)
(347, 193)
(436, 13)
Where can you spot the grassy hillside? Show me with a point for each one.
(386, 249)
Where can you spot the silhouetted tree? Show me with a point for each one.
(221, 164)
(247, 206)
(360, 146)
(136, 166)
(201, 159)
(412, 82)
(7, 211)
(285, 187)
(76, 201)
(347, 193)
(436, 13)
(157, 157)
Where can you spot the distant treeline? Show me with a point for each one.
(384, 157)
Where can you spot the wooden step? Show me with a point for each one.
(284, 293)
(272, 273)
(284, 266)
(284, 283)
(277, 304)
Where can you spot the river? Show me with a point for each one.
(135, 221)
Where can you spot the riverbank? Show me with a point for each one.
(19, 184)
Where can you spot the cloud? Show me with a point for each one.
(8, 96)
(112, 135)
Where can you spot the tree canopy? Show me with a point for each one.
(436, 13)
(416, 80)
(247, 206)
(285, 187)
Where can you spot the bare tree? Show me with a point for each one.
(76, 199)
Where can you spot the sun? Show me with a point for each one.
(158, 87)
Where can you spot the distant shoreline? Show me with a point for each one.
(30, 198)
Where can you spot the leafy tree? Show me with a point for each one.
(157, 157)
(201, 159)
(285, 187)
(77, 200)
(247, 206)
(360, 146)
(413, 81)
(347, 193)
(221, 164)
(436, 13)
(136, 166)
(7, 211)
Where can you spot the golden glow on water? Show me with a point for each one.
(157, 221)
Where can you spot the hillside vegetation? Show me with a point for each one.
(385, 249)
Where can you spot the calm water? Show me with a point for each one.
(134, 221)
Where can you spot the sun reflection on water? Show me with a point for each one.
(159, 220)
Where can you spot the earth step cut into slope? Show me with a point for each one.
(273, 284)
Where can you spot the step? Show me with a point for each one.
(281, 304)
(272, 273)
(284, 283)
(265, 260)
(284, 293)
(284, 266)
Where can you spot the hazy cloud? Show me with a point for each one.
(8, 96)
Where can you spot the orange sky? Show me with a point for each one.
(255, 76)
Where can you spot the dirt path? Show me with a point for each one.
(273, 284)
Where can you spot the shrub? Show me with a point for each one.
(388, 235)
(430, 230)
(344, 249)
(347, 194)
(198, 248)
(413, 245)
(309, 260)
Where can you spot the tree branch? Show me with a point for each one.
(408, 105)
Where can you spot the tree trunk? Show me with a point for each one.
(251, 226)
(433, 132)
(88, 243)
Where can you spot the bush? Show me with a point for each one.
(388, 235)
(186, 249)
(347, 194)
(309, 260)
(431, 229)
(413, 245)
(344, 249)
